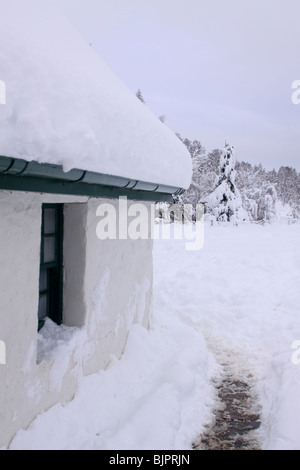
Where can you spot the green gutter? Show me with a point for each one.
(20, 175)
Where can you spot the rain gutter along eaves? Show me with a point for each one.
(21, 175)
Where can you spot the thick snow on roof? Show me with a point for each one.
(65, 106)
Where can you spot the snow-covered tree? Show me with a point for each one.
(225, 202)
(205, 170)
(140, 96)
(251, 207)
(267, 209)
(253, 183)
(162, 118)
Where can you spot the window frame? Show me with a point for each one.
(54, 269)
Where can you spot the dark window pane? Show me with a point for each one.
(49, 250)
(42, 307)
(43, 280)
(49, 221)
(50, 282)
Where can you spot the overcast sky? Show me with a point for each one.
(218, 69)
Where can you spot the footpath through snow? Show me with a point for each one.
(237, 297)
(237, 411)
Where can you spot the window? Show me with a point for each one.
(51, 256)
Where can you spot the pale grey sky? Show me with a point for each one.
(218, 69)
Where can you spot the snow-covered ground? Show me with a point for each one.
(238, 297)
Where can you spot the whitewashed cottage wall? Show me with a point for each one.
(107, 287)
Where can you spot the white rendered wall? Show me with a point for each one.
(107, 287)
(118, 289)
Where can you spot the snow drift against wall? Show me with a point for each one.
(64, 106)
(242, 299)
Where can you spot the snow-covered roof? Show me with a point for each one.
(65, 106)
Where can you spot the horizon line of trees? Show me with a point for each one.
(237, 190)
(256, 194)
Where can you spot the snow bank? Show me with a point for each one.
(64, 106)
(242, 290)
(156, 397)
(283, 421)
(241, 293)
(59, 344)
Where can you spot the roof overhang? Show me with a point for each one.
(21, 175)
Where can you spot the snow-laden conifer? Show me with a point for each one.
(225, 202)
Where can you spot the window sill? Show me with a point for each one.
(55, 342)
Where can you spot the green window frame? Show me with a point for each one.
(51, 265)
